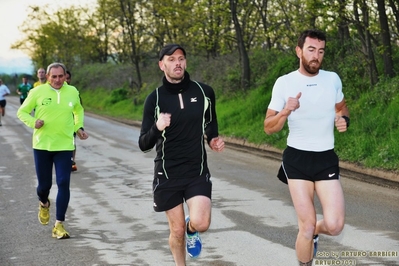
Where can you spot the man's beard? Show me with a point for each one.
(311, 69)
(175, 78)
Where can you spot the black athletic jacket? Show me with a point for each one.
(181, 146)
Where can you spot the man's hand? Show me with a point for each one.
(163, 121)
(291, 105)
(340, 123)
(39, 123)
(82, 134)
(217, 144)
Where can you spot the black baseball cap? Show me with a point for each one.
(170, 49)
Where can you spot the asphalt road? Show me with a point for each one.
(111, 220)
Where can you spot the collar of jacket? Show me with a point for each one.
(176, 88)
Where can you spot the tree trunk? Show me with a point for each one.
(244, 59)
(343, 29)
(365, 37)
(386, 39)
(129, 19)
(395, 13)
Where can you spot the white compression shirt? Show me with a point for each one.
(311, 126)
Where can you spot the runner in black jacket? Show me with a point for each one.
(176, 118)
(180, 147)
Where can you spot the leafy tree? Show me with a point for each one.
(62, 36)
(362, 32)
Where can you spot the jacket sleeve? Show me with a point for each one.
(24, 111)
(78, 113)
(149, 132)
(211, 129)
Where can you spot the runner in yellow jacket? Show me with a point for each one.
(58, 114)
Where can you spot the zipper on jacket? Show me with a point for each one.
(181, 101)
(58, 96)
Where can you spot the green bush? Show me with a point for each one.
(118, 95)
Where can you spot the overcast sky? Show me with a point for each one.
(13, 14)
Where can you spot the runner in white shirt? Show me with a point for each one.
(312, 102)
(4, 91)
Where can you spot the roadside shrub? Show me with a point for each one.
(118, 95)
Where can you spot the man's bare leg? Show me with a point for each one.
(177, 229)
(200, 213)
(302, 194)
(331, 197)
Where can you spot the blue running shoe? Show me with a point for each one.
(193, 242)
(315, 242)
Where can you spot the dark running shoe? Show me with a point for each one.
(74, 168)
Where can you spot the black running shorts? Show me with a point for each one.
(3, 103)
(308, 165)
(168, 193)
